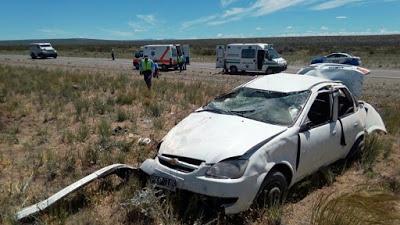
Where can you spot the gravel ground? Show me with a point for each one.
(196, 70)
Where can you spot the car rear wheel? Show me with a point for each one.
(269, 71)
(233, 70)
(33, 56)
(273, 190)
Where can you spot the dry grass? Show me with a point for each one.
(57, 126)
(361, 207)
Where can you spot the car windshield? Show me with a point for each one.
(272, 52)
(261, 105)
(45, 46)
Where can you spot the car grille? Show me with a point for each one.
(182, 164)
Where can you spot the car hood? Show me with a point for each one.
(214, 137)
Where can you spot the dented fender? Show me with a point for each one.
(373, 121)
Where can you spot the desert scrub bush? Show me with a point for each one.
(374, 147)
(125, 98)
(90, 155)
(67, 136)
(104, 131)
(51, 164)
(361, 207)
(101, 107)
(83, 132)
(81, 105)
(158, 123)
(148, 205)
(153, 109)
(391, 116)
(122, 115)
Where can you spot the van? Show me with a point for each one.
(166, 55)
(42, 50)
(250, 57)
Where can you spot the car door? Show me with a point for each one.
(248, 59)
(349, 116)
(319, 142)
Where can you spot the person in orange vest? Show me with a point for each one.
(146, 68)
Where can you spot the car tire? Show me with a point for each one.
(164, 67)
(269, 71)
(233, 70)
(55, 56)
(273, 190)
(356, 149)
(33, 56)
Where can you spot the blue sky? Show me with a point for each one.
(186, 19)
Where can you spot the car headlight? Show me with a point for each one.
(228, 169)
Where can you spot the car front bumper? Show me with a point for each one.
(243, 189)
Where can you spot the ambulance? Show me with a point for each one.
(166, 55)
(249, 58)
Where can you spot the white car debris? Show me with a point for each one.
(121, 170)
(260, 139)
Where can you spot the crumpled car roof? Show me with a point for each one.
(351, 76)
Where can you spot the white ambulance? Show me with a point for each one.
(166, 55)
(249, 58)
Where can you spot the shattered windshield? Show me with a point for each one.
(261, 105)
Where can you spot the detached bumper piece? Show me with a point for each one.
(120, 170)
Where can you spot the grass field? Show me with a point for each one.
(58, 126)
(378, 51)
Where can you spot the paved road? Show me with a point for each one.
(101, 64)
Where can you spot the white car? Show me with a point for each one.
(254, 143)
(42, 50)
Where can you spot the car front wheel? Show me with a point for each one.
(273, 190)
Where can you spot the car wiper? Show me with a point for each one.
(215, 110)
(242, 111)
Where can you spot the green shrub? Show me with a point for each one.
(122, 115)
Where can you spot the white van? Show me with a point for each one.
(42, 50)
(256, 57)
(165, 55)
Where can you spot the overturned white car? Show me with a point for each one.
(254, 143)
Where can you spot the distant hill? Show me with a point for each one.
(371, 40)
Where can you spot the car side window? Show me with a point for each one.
(346, 103)
(320, 111)
(248, 53)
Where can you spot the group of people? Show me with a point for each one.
(149, 69)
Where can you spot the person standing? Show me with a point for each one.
(155, 70)
(146, 68)
(180, 62)
(112, 54)
(184, 61)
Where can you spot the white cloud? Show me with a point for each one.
(341, 17)
(331, 4)
(264, 7)
(55, 32)
(150, 18)
(324, 28)
(201, 20)
(117, 33)
(289, 27)
(226, 3)
(258, 28)
(257, 8)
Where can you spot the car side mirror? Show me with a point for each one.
(304, 127)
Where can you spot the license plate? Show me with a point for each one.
(163, 182)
